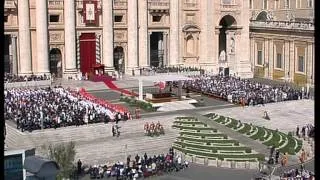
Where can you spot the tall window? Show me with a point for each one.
(301, 64)
(250, 4)
(310, 3)
(287, 5)
(265, 4)
(259, 57)
(279, 60)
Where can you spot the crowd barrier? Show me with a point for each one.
(104, 103)
(26, 84)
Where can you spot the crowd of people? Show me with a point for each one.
(153, 129)
(139, 167)
(38, 108)
(11, 78)
(242, 91)
(298, 174)
(306, 131)
(167, 69)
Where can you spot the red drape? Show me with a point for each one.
(87, 52)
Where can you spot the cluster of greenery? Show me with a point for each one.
(132, 101)
(195, 142)
(64, 155)
(278, 139)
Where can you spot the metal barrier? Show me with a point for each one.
(44, 83)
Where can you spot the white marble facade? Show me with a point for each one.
(144, 33)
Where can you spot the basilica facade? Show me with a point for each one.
(262, 38)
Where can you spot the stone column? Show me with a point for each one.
(165, 48)
(70, 36)
(271, 58)
(149, 48)
(42, 37)
(107, 22)
(174, 32)
(286, 59)
(143, 33)
(132, 34)
(309, 63)
(25, 65)
(292, 59)
(204, 32)
(14, 54)
(266, 58)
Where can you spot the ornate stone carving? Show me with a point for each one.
(120, 36)
(55, 37)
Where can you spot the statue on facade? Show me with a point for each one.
(222, 57)
(232, 45)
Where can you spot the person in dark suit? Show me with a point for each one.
(79, 166)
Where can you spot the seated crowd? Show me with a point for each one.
(55, 107)
(139, 167)
(11, 78)
(167, 69)
(241, 91)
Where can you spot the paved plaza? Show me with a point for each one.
(95, 144)
(285, 116)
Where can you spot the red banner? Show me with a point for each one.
(90, 12)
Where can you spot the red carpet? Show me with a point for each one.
(112, 86)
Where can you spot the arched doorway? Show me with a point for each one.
(56, 62)
(225, 23)
(226, 43)
(262, 16)
(118, 59)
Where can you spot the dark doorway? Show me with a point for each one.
(56, 62)
(118, 59)
(7, 57)
(156, 49)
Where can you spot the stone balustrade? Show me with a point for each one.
(120, 4)
(156, 4)
(55, 4)
(190, 5)
(282, 25)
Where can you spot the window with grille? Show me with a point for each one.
(54, 18)
(279, 61)
(259, 57)
(301, 64)
(118, 18)
(156, 18)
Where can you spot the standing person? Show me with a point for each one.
(297, 132)
(277, 156)
(113, 131)
(79, 167)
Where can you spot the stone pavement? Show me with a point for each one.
(285, 116)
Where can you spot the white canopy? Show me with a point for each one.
(167, 77)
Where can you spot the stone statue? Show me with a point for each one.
(222, 56)
(232, 45)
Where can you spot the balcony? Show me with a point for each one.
(120, 4)
(10, 4)
(55, 4)
(283, 25)
(158, 4)
(190, 5)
